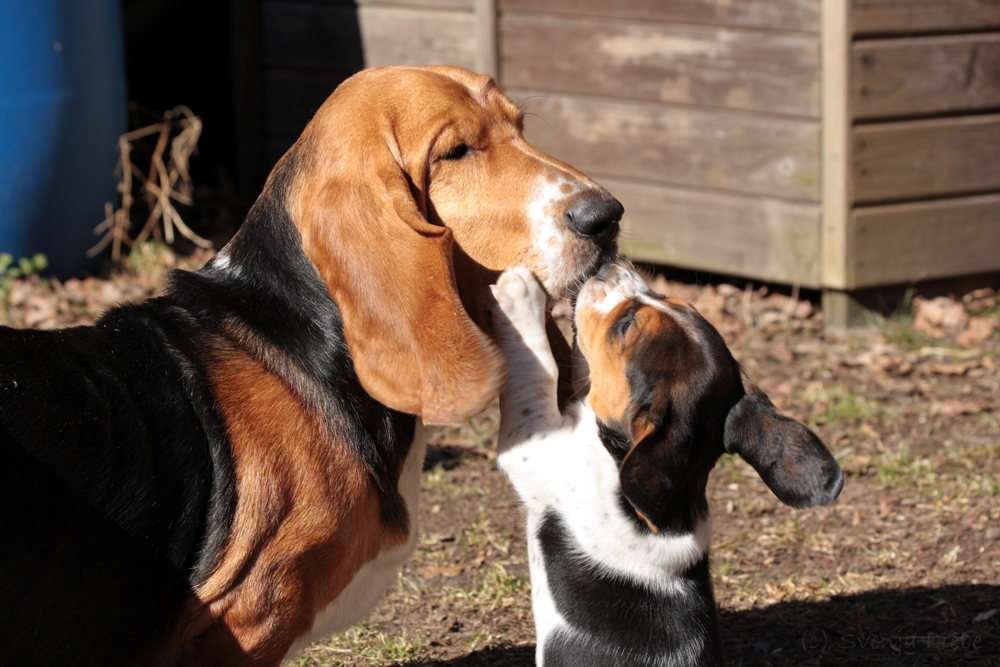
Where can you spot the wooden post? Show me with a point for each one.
(836, 239)
(486, 22)
(842, 310)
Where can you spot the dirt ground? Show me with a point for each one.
(904, 569)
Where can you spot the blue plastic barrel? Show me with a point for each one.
(62, 109)
(33, 98)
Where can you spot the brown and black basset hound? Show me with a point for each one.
(216, 475)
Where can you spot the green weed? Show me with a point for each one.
(732, 469)
(144, 258)
(364, 644)
(495, 587)
(11, 271)
(895, 468)
(898, 326)
(480, 534)
(840, 405)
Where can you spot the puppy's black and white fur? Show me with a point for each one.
(614, 487)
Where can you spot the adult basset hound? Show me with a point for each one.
(614, 487)
(215, 475)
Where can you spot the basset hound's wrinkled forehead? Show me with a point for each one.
(641, 347)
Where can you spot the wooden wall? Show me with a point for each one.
(826, 143)
(308, 47)
(702, 117)
(925, 166)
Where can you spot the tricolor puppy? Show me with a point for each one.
(217, 475)
(618, 524)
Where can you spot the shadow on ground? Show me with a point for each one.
(910, 626)
(913, 626)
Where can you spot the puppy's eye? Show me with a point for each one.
(456, 153)
(624, 323)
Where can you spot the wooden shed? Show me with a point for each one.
(830, 144)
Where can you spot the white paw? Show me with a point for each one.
(520, 308)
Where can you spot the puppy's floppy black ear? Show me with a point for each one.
(791, 460)
(657, 466)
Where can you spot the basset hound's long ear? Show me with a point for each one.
(390, 272)
(791, 460)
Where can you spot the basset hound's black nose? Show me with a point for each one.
(596, 216)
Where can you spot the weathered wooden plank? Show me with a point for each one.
(904, 243)
(398, 36)
(677, 145)
(758, 238)
(801, 15)
(442, 4)
(434, 4)
(925, 159)
(914, 16)
(925, 75)
(291, 97)
(713, 67)
(349, 38)
(836, 137)
(487, 51)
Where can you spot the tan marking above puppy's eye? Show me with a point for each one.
(678, 302)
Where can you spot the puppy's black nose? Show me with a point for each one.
(603, 272)
(595, 215)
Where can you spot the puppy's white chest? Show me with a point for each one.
(569, 472)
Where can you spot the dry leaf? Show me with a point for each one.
(953, 369)
(940, 316)
(976, 333)
(979, 300)
(950, 408)
(950, 557)
(434, 571)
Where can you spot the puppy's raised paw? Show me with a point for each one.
(520, 308)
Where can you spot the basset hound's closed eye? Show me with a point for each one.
(215, 475)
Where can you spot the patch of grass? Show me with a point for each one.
(150, 257)
(437, 478)
(898, 468)
(958, 473)
(363, 644)
(840, 404)
(495, 588)
(950, 474)
(481, 533)
(732, 469)
(414, 582)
